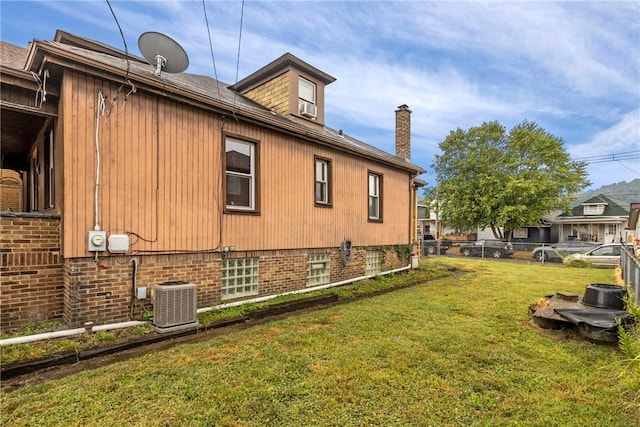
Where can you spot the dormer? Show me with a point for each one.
(591, 208)
(289, 87)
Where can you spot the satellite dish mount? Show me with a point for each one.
(163, 52)
(161, 61)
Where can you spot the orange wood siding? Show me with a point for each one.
(161, 179)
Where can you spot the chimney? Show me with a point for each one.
(403, 132)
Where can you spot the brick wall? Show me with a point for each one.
(273, 94)
(37, 284)
(31, 283)
(403, 132)
(101, 292)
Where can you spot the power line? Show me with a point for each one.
(601, 158)
(215, 72)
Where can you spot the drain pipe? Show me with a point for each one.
(67, 333)
(301, 291)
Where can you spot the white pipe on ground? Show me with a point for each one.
(66, 333)
(300, 291)
(80, 331)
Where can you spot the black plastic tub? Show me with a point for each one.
(605, 296)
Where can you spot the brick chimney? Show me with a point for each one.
(403, 132)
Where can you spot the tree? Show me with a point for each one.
(490, 178)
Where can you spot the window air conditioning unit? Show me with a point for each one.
(174, 306)
(308, 109)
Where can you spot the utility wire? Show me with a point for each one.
(238, 58)
(213, 60)
(627, 155)
(126, 50)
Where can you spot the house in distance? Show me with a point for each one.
(124, 178)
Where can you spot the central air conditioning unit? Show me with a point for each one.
(174, 306)
(308, 109)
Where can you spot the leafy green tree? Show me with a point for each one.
(428, 195)
(491, 178)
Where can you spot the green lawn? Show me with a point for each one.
(457, 351)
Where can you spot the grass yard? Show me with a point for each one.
(453, 352)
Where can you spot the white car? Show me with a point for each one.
(607, 256)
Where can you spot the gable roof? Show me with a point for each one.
(199, 90)
(612, 207)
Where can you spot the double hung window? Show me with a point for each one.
(307, 105)
(375, 197)
(240, 171)
(322, 181)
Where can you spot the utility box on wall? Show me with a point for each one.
(119, 243)
(97, 241)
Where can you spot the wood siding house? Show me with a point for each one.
(600, 219)
(241, 190)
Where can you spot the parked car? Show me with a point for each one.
(607, 256)
(557, 251)
(487, 247)
(430, 245)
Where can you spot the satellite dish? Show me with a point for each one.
(163, 52)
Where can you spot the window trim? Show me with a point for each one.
(328, 182)
(231, 209)
(380, 196)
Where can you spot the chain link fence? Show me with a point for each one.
(630, 266)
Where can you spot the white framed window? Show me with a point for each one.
(373, 262)
(595, 209)
(307, 90)
(375, 197)
(322, 181)
(240, 172)
(318, 269)
(307, 105)
(239, 277)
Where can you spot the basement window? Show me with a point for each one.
(239, 277)
(318, 268)
(373, 262)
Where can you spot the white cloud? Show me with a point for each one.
(622, 136)
(573, 67)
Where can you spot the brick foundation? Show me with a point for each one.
(38, 285)
(101, 292)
